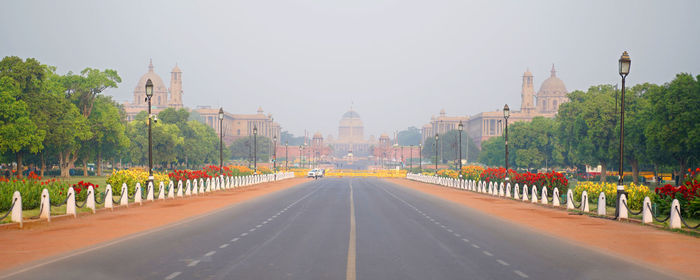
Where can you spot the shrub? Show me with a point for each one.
(131, 177)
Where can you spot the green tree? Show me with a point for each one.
(535, 143)
(243, 147)
(108, 132)
(410, 136)
(674, 118)
(84, 88)
(493, 152)
(17, 131)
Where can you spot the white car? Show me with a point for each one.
(311, 174)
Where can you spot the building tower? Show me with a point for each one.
(175, 88)
(527, 94)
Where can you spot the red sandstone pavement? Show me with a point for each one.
(38, 240)
(668, 251)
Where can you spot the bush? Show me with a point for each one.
(635, 193)
(133, 176)
(30, 188)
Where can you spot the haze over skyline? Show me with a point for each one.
(398, 62)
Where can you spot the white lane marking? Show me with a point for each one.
(264, 222)
(234, 240)
(465, 240)
(258, 226)
(252, 230)
(172, 275)
(475, 246)
(450, 230)
(487, 253)
(502, 262)
(518, 272)
(457, 235)
(223, 246)
(244, 234)
(211, 253)
(442, 226)
(351, 270)
(193, 263)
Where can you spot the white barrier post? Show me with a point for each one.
(149, 191)
(601, 204)
(45, 206)
(501, 188)
(70, 202)
(584, 201)
(16, 215)
(508, 190)
(534, 194)
(108, 197)
(555, 197)
(675, 220)
(646, 211)
(137, 194)
(569, 199)
(171, 189)
(161, 190)
(516, 192)
(623, 213)
(124, 200)
(90, 202)
(543, 194)
(525, 193)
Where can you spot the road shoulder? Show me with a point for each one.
(43, 240)
(669, 252)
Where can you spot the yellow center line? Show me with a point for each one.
(350, 272)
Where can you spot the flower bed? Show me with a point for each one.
(688, 196)
(635, 193)
(30, 188)
(472, 172)
(131, 177)
(551, 179)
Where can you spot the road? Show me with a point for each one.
(309, 232)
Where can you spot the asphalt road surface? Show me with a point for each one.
(340, 228)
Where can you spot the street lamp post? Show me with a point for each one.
(149, 95)
(460, 127)
(301, 156)
(624, 64)
(506, 114)
(255, 150)
(221, 137)
(420, 158)
(410, 158)
(274, 153)
(437, 138)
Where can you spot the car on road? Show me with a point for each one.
(311, 174)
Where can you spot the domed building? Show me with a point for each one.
(351, 137)
(162, 96)
(552, 94)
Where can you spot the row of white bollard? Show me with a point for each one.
(193, 187)
(502, 190)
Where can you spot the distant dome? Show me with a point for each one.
(318, 135)
(158, 85)
(351, 115)
(552, 86)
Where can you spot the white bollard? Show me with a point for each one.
(90, 202)
(149, 191)
(70, 202)
(171, 189)
(45, 205)
(584, 201)
(516, 192)
(201, 185)
(647, 218)
(16, 215)
(675, 220)
(124, 200)
(508, 190)
(601, 204)
(108, 197)
(137, 194)
(161, 190)
(195, 187)
(555, 197)
(525, 193)
(569, 199)
(624, 212)
(534, 194)
(543, 194)
(501, 190)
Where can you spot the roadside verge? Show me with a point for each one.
(666, 251)
(41, 240)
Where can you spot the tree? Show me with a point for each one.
(17, 131)
(410, 136)
(108, 132)
(587, 126)
(674, 118)
(84, 88)
(493, 152)
(286, 137)
(450, 143)
(242, 147)
(23, 79)
(535, 143)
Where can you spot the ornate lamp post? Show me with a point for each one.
(255, 150)
(221, 138)
(625, 63)
(410, 158)
(301, 156)
(274, 153)
(149, 94)
(437, 138)
(506, 114)
(460, 127)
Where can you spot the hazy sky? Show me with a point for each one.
(398, 61)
